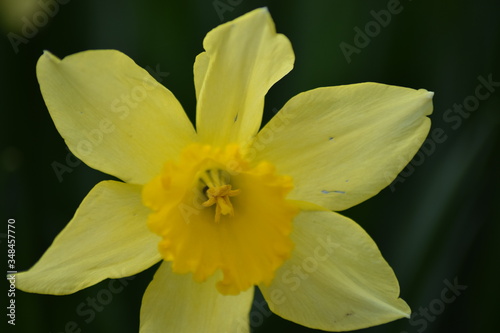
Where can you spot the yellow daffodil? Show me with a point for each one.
(227, 207)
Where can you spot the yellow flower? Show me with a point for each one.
(227, 207)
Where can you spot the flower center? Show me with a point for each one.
(216, 211)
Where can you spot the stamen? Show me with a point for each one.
(219, 196)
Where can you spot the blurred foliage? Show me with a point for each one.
(436, 225)
(13, 13)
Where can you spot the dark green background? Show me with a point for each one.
(440, 224)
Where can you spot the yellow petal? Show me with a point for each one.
(243, 59)
(175, 303)
(107, 238)
(344, 144)
(200, 70)
(336, 279)
(112, 114)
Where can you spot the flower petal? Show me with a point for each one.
(175, 303)
(342, 145)
(200, 70)
(107, 238)
(112, 114)
(245, 58)
(336, 279)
